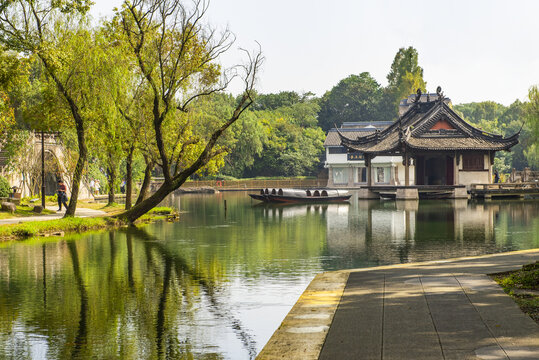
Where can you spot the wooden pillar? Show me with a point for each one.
(406, 170)
(369, 170)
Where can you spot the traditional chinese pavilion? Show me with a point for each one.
(438, 148)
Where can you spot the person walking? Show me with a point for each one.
(62, 196)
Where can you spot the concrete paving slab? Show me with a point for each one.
(356, 330)
(405, 307)
(512, 329)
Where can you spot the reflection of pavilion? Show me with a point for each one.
(292, 211)
(393, 232)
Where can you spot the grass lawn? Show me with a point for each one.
(24, 211)
(523, 286)
(111, 210)
(78, 225)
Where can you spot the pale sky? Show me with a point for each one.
(475, 50)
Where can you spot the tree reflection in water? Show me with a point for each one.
(80, 339)
(109, 299)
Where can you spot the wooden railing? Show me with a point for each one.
(506, 186)
(523, 176)
(254, 184)
(489, 191)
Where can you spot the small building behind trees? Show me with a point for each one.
(433, 144)
(23, 168)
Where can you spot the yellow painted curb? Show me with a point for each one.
(303, 331)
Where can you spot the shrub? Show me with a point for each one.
(5, 189)
(51, 198)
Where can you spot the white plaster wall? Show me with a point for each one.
(473, 177)
(336, 158)
(402, 173)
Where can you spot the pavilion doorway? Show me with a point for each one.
(435, 170)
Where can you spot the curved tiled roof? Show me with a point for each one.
(414, 130)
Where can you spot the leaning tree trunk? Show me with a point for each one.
(111, 178)
(143, 194)
(146, 205)
(81, 139)
(129, 178)
(77, 175)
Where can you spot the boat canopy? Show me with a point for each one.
(334, 193)
(291, 192)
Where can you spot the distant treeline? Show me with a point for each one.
(282, 134)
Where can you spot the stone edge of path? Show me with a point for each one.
(303, 331)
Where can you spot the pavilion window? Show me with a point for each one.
(473, 162)
(340, 175)
(382, 174)
(360, 176)
(337, 150)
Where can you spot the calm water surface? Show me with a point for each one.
(217, 284)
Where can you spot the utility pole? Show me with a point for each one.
(43, 169)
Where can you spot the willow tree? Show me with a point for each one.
(46, 29)
(177, 56)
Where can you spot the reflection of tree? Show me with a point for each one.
(80, 340)
(44, 261)
(208, 286)
(129, 243)
(160, 323)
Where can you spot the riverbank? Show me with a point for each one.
(436, 310)
(85, 220)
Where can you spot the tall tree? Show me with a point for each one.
(405, 76)
(532, 115)
(533, 110)
(176, 54)
(356, 98)
(43, 29)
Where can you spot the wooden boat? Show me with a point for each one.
(301, 196)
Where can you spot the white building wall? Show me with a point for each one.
(340, 168)
(475, 177)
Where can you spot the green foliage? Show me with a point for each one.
(526, 278)
(161, 210)
(5, 189)
(275, 101)
(499, 119)
(74, 224)
(405, 76)
(532, 111)
(357, 98)
(486, 110)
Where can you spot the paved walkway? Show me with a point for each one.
(80, 212)
(437, 310)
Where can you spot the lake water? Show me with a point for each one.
(218, 283)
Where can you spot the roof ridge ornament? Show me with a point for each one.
(440, 93)
(418, 96)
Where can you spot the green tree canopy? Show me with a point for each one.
(405, 76)
(356, 98)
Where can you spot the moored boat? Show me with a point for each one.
(301, 195)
